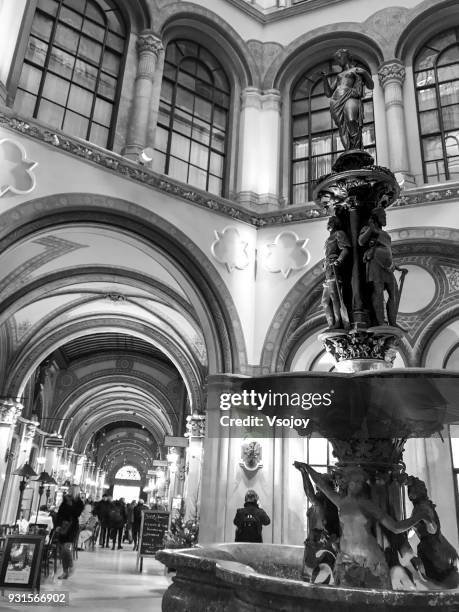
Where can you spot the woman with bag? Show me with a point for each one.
(67, 527)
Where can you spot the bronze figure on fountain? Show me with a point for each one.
(380, 267)
(322, 543)
(337, 249)
(346, 95)
(361, 561)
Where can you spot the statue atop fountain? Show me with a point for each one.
(346, 94)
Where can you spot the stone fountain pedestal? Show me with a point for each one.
(267, 577)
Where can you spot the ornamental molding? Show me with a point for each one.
(230, 250)
(130, 170)
(286, 253)
(391, 71)
(15, 168)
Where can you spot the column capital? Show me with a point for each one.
(271, 100)
(392, 70)
(255, 98)
(148, 42)
(196, 426)
(10, 410)
(251, 97)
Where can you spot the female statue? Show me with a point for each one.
(438, 556)
(361, 561)
(346, 95)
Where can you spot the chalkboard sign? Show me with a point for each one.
(152, 529)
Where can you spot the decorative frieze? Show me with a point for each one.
(132, 171)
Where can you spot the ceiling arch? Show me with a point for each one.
(206, 292)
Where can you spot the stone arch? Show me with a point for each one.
(291, 323)
(212, 300)
(208, 28)
(68, 406)
(34, 352)
(318, 44)
(427, 19)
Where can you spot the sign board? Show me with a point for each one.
(153, 526)
(160, 463)
(176, 441)
(21, 562)
(51, 442)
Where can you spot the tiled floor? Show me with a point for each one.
(105, 581)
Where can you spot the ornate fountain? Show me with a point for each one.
(357, 555)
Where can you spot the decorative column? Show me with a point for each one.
(28, 434)
(9, 412)
(196, 430)
(392, 76)
(79, 469)
(259, 149)
(148, 48)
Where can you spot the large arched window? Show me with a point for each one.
(69, 79)
(436, 75)
(193, 117)
(315, 137)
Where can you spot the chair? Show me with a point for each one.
(94, 537)
(50, 554)
(75, 544)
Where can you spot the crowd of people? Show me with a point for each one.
(82, 523)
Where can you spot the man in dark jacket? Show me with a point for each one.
(250, 519)
(102, 511)
(67, 527)
(116, 521)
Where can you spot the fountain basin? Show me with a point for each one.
(244, 577)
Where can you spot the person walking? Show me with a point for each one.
(250, 519)
(67, 527)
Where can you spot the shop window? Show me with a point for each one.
(436, 77)
(71, 69)
(315, 138)
(193, 117)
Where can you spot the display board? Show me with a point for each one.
(153, 526)
(21, 562)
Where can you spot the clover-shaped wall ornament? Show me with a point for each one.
(286, 253)
(230, 250)
(15, 169)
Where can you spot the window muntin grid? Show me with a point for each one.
(193, 117)
(73, 59)
(315, 137)
(436, 77)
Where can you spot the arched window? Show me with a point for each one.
(69, 78)
(436, 76)
(315, 137)
(193, 117)
(128, 472)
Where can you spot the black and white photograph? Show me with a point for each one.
(20, 564)
(229, 305)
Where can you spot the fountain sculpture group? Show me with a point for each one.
(357, 555)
